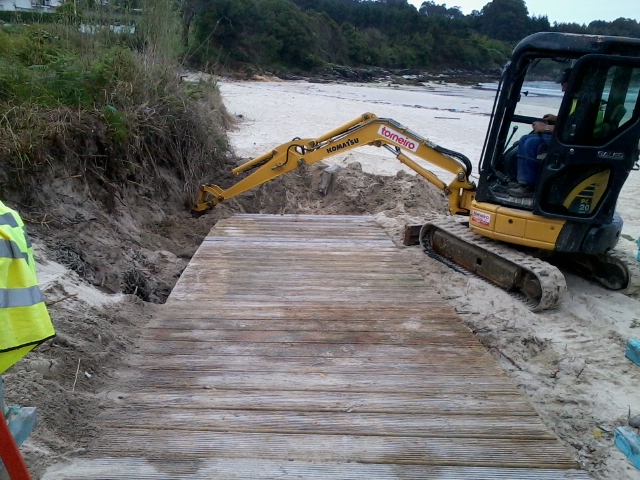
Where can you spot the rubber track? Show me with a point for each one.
(460, 269)
(552, 282)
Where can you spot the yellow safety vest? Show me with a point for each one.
(24, 320)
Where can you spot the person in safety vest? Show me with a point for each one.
(24, 320)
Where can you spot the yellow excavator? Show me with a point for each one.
(512, 240)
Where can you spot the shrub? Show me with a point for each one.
(90, 106)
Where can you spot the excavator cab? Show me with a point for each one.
(594, 145)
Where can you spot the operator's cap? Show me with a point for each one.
(564, 76)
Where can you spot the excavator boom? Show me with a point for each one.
(366, 130)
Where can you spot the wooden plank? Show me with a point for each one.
(302, 294)
(313, 311)
(337, 448)
(310, 364)
(231, 308)
(443, 353)
(303, 297)
(304, 336)
(383, 264)
(335, 423)
(335, 324)
(489, 404)
(319, 286)
(128, 468)
(300, 244)
(354, 382)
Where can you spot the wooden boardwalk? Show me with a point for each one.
(306, 347)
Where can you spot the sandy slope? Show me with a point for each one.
(570, 361)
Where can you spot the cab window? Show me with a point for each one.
(604, 100)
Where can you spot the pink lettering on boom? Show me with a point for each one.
(398, 138)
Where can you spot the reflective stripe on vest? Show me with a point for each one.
(10, 249)
(20, 297)
(9, 219)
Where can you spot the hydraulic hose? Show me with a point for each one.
(457, 155)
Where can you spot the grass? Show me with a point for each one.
(108, 108)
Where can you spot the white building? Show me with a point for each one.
(30, 5)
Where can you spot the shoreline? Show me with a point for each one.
(342, 73)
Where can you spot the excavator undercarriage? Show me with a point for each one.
(532, 276)
(535, 282)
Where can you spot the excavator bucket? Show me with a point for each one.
(208, 197)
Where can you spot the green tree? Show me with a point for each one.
(291, 28)
(432, 9)
(506, 20)
(540, 24)
(226, 25)
(422, 44)
(385, 33)
(624, 27)
(357, 46)
(330, 45)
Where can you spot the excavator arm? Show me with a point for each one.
(369, 130)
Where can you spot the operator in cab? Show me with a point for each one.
(529, 145)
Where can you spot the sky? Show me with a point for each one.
(578, 11)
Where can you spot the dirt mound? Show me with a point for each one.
(351, 192)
